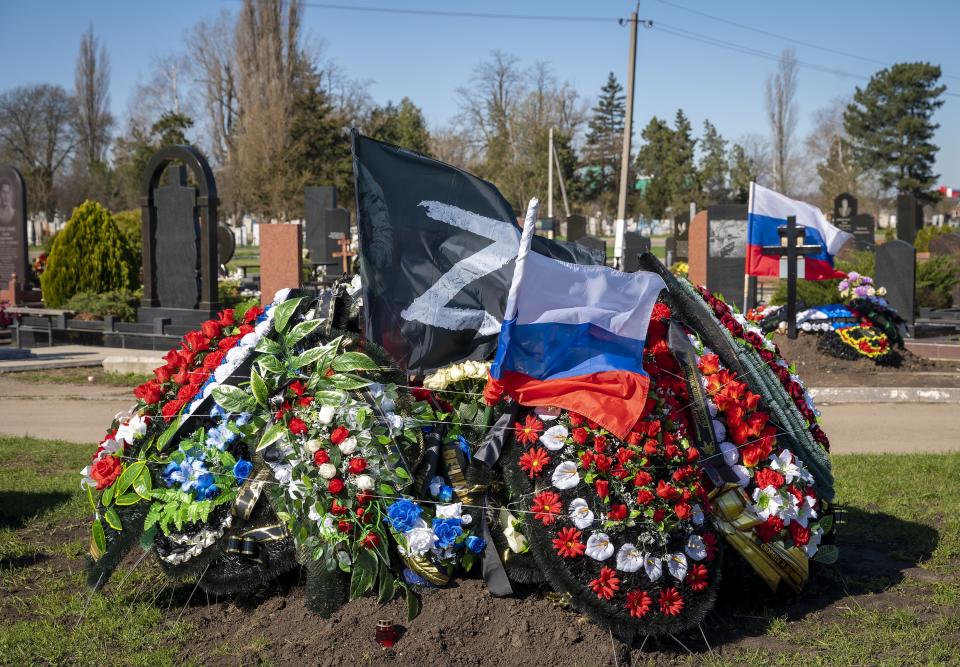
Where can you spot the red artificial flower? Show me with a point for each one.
(305, 401)
(624, 454)
(617, 512)
(225, 317)
(666, 491)
(151, 392)
(188, 391)
(575, 419)
(421, 394)
(638, 603)
(642, 478)
(163, 374)
(769, 529)
(683, 511)
(213, 359)
(602, 487)
(671, 602)
(344, 526)
(252, 314)
(751, 401)
(599, 444)
(696, 577)
(338, 509)
(602, 462)
(644, 497)
(227, 342)
(492, 391)
(546, 507)
(607, 584)
(799, 534)
(282, 410)
(710, 542)
(297, 387)
(650, 447)
(568, 544)
(592, 424)
(335, 485)
(619, 472)
(364, 497)
(769, 477)
(709, 364)
(586, 458)
(339, 435)
(756, 421)
(297, 426)
(370, 541)
(182, 376)
(692, 454)
(172, 408)
(661, 311)
(659, 515)
(357, 465)
(105, 471)
(210, 328)
(196, 341)
(244, 329)
(534, 461)
(795, 492)
(173, 360)
(579, 435)
(633, 438)
(529, 432)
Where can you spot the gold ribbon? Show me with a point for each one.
(427, 570)
(467, 494)
(249, 494)
(772, 562)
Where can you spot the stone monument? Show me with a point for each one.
(576, 227)
(634, 243)
(717, 240)
(909, 218)
(13, 231)
(597, 248)
(897, 271)
(844, 211)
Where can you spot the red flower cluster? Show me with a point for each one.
(534, 461)
(607, 584)
(568, 544)
(529, 432)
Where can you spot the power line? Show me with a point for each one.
(472, 15)
(785, 37)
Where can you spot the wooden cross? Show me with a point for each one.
(344, 253)
(793, 253)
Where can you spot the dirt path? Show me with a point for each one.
(892, 428)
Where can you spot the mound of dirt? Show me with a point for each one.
(822, 370)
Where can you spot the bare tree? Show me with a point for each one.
(828, 150)
(782, 116)
(92, 86)
(37, 134)
(214, 72)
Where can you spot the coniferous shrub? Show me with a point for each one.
(89, 255)
(128, 222)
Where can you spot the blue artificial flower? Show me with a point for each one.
(476, 544)
(464, 447)
(244, 418)
(187, 473)
(242, 470)
(446, 494)
(403, 514)
(435, 485)
(208, 492)
(447, 531)
(426, 429)
(415, 579)
(216, 412)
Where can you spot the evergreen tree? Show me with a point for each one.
(684, 177)
(742, 172)
(654, 160)
(714, 168)
(401, 124)
(890, 127)
(605, 144)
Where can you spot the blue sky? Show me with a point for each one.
(427, 57)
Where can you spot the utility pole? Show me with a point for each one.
(627, 135)
(550, 175)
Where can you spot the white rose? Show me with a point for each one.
(348, 446)
(420, 539)
(363, 482)
(326, 415)
(451, 511)
(456, 374)
(472, 369)
(312, 445)
(327, 470)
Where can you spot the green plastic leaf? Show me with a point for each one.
(270, 364)
(827, 554)
(168, 433)
(143, 484)
(259, 388)
(129, 474)
(147, 537)
(283, 313)
(353, 361)
(413, 605)
(107, 497)
(387, 587)
(99, 539)
(126, 499)
(113, 519)
(300, 331)
(826, 523)
(329, 397)
(348, 382)
(269, 346)
(309, 357)
(233, 399)
(271, 435)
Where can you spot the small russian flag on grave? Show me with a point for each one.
(767, 212)
(573, 337)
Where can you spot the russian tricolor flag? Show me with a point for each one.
(573, 337)
(767, 211)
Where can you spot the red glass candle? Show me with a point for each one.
(386, 634)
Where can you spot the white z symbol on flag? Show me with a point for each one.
(431, 307)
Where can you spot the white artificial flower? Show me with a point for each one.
(767, 502)
(222, 373)
(547, 413)
(565, 475)
(456, 373)
(395, 421)
(554, 438)
(208, 389)
(720, 430)
(712, 409)
(420, 539)
(677, 565)
(364, 482)
(698, 515)
(86, 480)
(806, 511)
(235, 355)
(472, 369)
(451, 511)
(435, 485)
(312, 445)
(110, 446)
(466, 519)
(743, 475)
(813, 545)
(580, 513)
(653, 566)
(730, 453)
(327, 470)
(784, 464)
(327, 412)
(375, 389)
(629, 558)
(695, 548)
(599, 546)
(297, 490)
(348, 446)
(132, 430)
(314, 515)
(249, 340)
(263, 327)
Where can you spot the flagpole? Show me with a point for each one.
(746, 273)
(526, 238)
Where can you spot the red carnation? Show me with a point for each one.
(644, 497)
(696, 577)
(227, 342)
(607, 584)
(602, 487)
(568, 544)
(638, 603)
(661, 311)
(339, 435)
(162, 374)
(769, 529)
(529, 432)
(799, 534)
(252, 314)
(151, 392)
(769, 477)
(546, 507)
(171, 408)
(357, 465)
(617, 512)
(297, 388)
(105, 471)
(344, 526)
(244, 329)
(213, 359)
(671, 602)
(297, 426)
(534, 461)
(335, 485)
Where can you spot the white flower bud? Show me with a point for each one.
(327, 470)
(363, 482)
(348, 446)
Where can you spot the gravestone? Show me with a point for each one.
(180, 245)
(547, 227)
(597, 248)
(717, 240)
(681, 236)
(670, 251)
(897, 271)
(336, 223)
(634, 244)
(909, 218)
(576, 227)
(844, 211)
(226, 244)
(317, 200)
(13, 228)
(281, 259)
(864, 231)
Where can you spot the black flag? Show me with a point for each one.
(437, 247)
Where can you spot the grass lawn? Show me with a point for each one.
(893, 599)
(90, 376)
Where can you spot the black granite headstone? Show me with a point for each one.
(596, 246)
(336, 224)
(576, 227)
(226, 244)
(864, 230)
(317, 200)
(844, 211)
(634, 244)
(178, 242)
(670, 250)
(681, 235)
(727, 250)
(897, 271)
(909, 218)
(13, 227)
